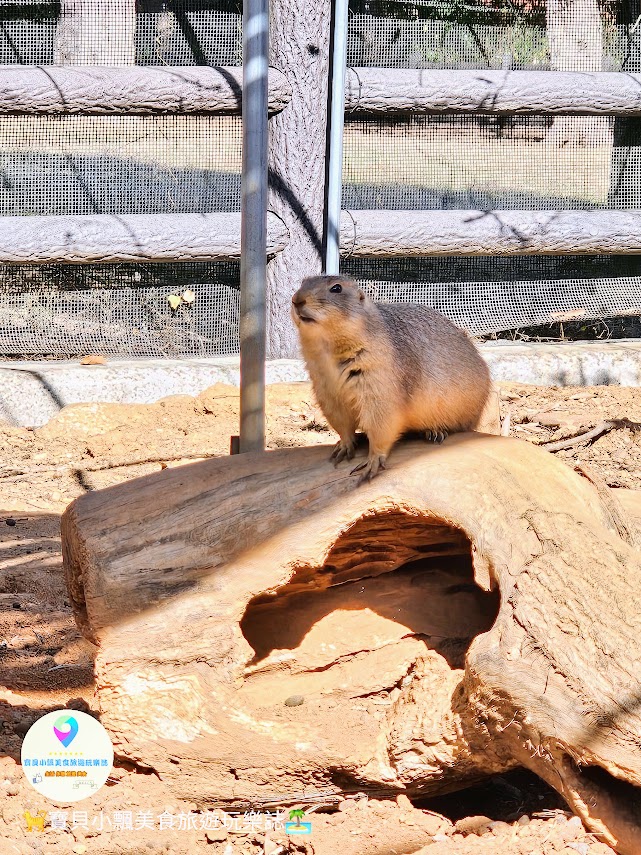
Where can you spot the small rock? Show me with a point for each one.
(270, 847)
(581, 848)
(429, 822)
(10, 521)
(403, 802)
(576, 822)
(79, 849)
(570, 832)
(523, 820)
(216, 835)
(499, 827)
(12, 790)
(294, 701)
(440, 838)
(472, 825)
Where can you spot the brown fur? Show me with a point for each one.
(386, 369)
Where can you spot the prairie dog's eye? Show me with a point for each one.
(336, 289)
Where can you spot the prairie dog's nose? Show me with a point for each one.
(297, 300)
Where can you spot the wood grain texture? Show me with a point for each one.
(425, 233)
(173, 574)
(136, 90)
(299, 48)
(131, 237)
(389, 90)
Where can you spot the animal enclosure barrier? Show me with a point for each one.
(489, 123)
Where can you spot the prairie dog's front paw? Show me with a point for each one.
(343, 450)
(370, 468)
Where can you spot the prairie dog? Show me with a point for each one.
(386, 369)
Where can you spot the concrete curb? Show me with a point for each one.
(33, 392)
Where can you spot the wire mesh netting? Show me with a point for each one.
(120, 309)
(76, 165)
(484, 162)
(585, 34)
(498, 163)
(489, 294)
(159, 164)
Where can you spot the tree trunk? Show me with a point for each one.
(299, 48)
(268, 630)
(96, 32)
(575, 36)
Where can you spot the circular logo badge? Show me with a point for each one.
(67, 755)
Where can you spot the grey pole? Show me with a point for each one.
(336, 124)
(253, 240)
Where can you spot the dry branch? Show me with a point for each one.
(594, 433)
(580, 439)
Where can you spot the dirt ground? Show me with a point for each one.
(46, 664)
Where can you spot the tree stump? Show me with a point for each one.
(269, 631)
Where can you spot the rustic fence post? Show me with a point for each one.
(96, 32)
(299, 47)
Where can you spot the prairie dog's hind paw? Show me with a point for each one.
(370, 468)
(343, 451)
(437, 436)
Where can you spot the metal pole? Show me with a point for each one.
(253, 240)
(336, 123)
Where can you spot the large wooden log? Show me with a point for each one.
(423, 233)
(136, 90)
(397, 90)
(474, 608)
(130, 237)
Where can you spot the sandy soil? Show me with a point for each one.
(47, 665)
